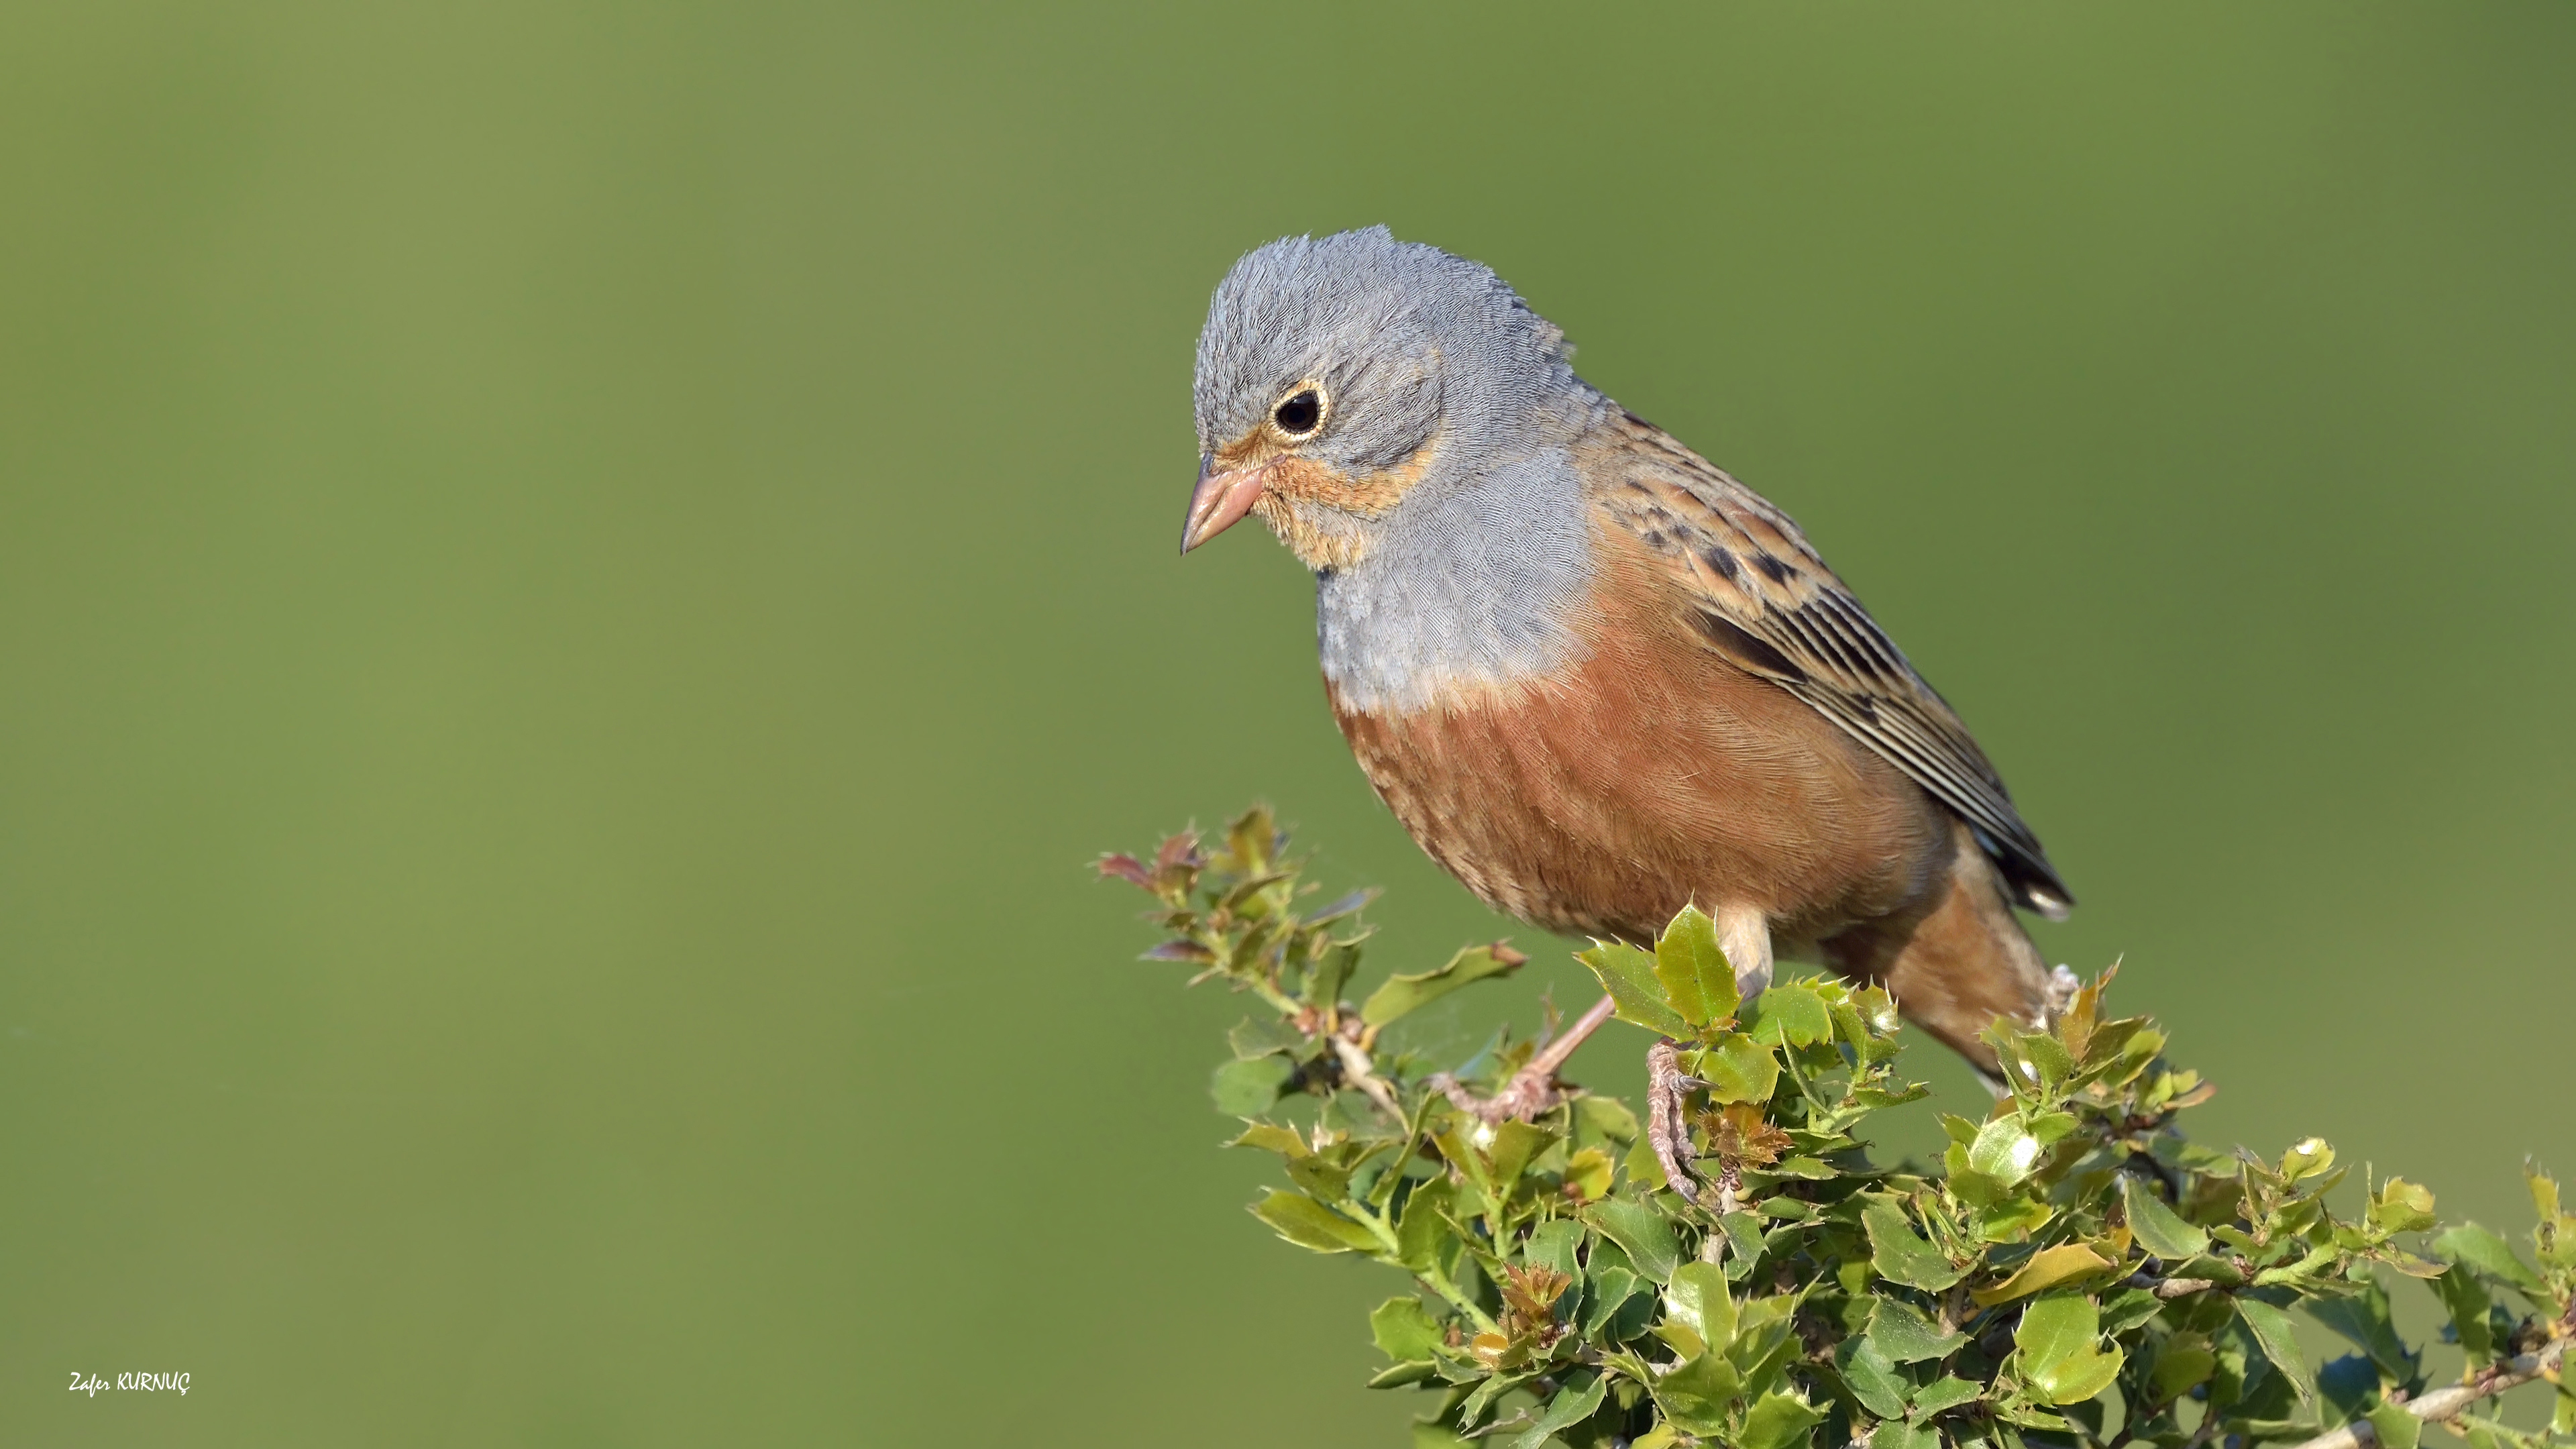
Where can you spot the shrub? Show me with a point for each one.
(2075, 1272)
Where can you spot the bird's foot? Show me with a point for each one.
(1534, 1088)
(1668, 1130)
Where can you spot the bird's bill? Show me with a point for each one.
(1220, 501)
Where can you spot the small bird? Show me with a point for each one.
(1596, 677)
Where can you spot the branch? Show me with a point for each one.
(2443, 1405)
(1361, 1073)
(1532, 1089)
(2169, 1288)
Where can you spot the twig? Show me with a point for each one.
(1730, 1184)
(2442, 1405)
(2169, 1288)
(1360, 1072)
(1533, 1088)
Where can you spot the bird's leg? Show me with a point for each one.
(1532, 1089)
(1744, 934)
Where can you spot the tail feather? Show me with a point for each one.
(1959, 963)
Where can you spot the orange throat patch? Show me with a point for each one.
(1318, 511)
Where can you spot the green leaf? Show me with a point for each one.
(1610, 1290)
(2394, 1427)
(1698, 1297)
(1904, 1335)
(1628, 974)
(1553, 1245)
(1250, 1087)
(2306, 1158)
(2004, 1150)
(1645, 1171)
(1900, 1256)
(2483, 1250)
(2184, 1361)
(1901, 1435)
(1739, 1069)
(1515, 1143)
(2011, 1219)
(1778, 1421)
(1744, 1241)
(2079, 1378)
(1263, 1036)
(1272, 1137)
(1405, 1375)
(1493, 1388)
(2048, 1058)
(2056, 1328)
(1790, 1012)
(1644, 1233)
(2402, 1207)
(2126, 1310)
(1472, 1165)
(1605, 1117)
(1326, 978)
(1421, 1233)
(1942, 1394)
(2465, 1299)
(2346, 1385)
(2364, 1318)
(1252, 837)
(1404, 1329)
(1692, 969)
(1570, 1406)
(2061, 1362)
(2043, 1270)
(2157, 1227)
(1696, 1395)
(1309, 1224)
(1871, 1378)
(1327, 1180)
(2271, 1329)
(1401, 994)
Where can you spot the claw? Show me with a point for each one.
(1666, 1087)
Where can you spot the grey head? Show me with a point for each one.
(1400, 418)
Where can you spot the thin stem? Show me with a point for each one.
(2169, 1288)
(2443, 1405)
(1438, 1282)
(1361, 1073)
(1380, 1226)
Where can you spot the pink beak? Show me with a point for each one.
(1220, 501)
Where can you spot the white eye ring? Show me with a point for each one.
(1295, 406)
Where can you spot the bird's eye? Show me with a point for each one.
(1299, 413)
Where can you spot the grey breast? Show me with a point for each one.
(1471, 582)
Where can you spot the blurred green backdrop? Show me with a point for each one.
(579, 582)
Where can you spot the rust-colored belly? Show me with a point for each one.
(1603, 801)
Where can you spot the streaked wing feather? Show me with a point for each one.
(1765, 599)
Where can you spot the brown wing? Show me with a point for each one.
(1760, 595)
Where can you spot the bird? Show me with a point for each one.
(1593, 675)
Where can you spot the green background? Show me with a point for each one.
(578, 584)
